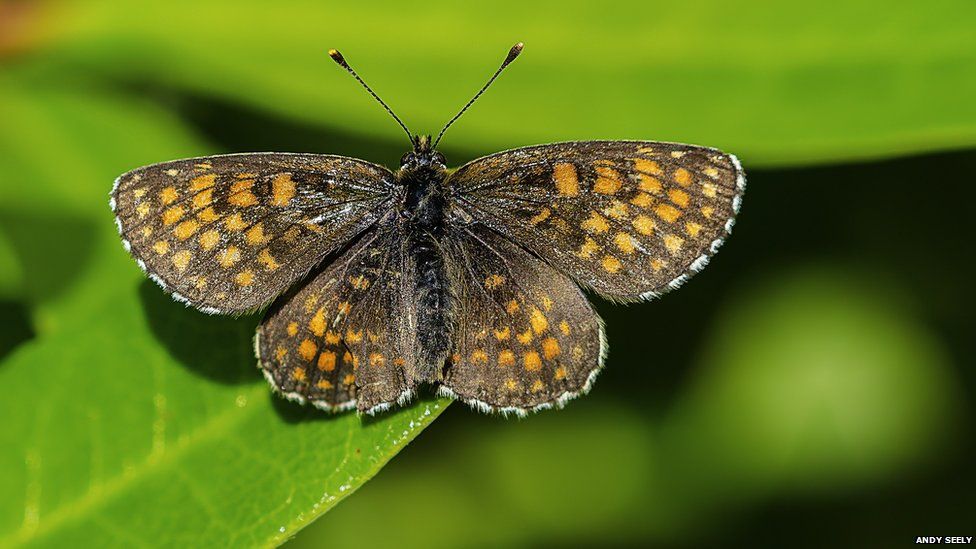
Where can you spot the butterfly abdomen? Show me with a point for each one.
(431, 302)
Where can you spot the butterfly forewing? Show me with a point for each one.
(526, 337)
(337, 342)
(229, 233)
(629, 219)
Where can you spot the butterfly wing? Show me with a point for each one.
(228, 233)
(629, 219)
(337, 342)
(526, 337)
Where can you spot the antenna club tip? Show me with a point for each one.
(514, 52)
(337, 57)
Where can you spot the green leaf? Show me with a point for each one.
(776, 84)
(132, 420)
(149, 424)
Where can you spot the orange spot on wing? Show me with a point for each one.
(307, 349)
(244, 278)
(209, 239)
(525, 337)
(282, 189)
(506, 358)
(537, 386)
(617, 210)
(610, 264)
(181, 260)
(229, 256)
(503, 334)
(142, 209)
(327, 361)
(512, 307)
(673, 243)
(494, 281)
(586, 250)
(168, 195)
(298, 374)
(235, 223)
(647, 166)
(642, 200)
(207, 215)
(538, 321)
(679, 197)
(255, 235)
(354, 337)
(349, 379)
(564, 327)
(625, 242)
(479, 355)
(693, 229)
(643, 224)
(161, 247)
(268, 260)
(567, 183)
(667, 212)
(317, 323)
(550, 347)
(203, 199)
(682, 177)
(172, 215)
(202, 182)
(707, 211)
(596, 223)
(560, 373)
(292, 329)
(324, 384)
(332, 338)
(186, 229)
(532, 361)
(376, 359)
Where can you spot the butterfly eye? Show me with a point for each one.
(439, 158)
(407, 158)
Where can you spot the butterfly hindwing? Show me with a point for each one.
(629, 219)
(337, 341)
(229, 233)
(526, 337)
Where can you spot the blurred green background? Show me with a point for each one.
(813, 386)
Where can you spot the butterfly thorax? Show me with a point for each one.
(430, 303)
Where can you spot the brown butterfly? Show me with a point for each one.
(468, 280)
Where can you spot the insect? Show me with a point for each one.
(468, 280)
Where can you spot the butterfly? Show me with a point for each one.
(470, 280)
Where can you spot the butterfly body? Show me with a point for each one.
(430, 302)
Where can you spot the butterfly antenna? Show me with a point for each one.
(512, 54)
(338, 58)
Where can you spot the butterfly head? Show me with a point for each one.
(422, 156)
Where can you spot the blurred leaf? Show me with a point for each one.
(817, 380)
(132, 420)
(776, 84)
(11, 275)
(574, 477)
